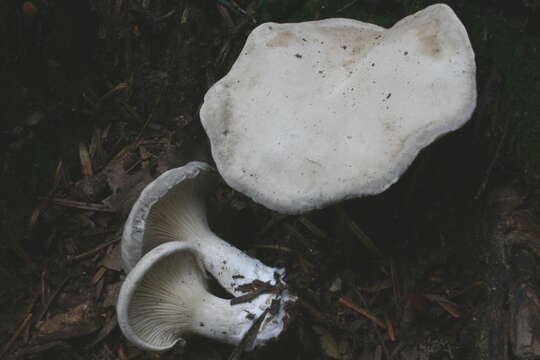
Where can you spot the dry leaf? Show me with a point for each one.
(113, 259)
(79, 321)
(86, 163)
(328, 343)
(111, 294)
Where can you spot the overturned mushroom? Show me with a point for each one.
(172, 208)
(164, 299)
(312, 113)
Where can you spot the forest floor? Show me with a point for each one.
(99, 96)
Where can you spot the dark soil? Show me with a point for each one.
(98, 96)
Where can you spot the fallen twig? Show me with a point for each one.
(391, 330)
(98, 275)
(395, 284)
(361, 311)
(274, 220)
(104, 332)
(385, 284)
(315, 230)
(86, 163)
(255, 289)
(90, 252)
(35, 297)
(51, 298)
(276, 247)
(16, 335)
(445, 304)
(249, 337)
(247, 297)
(44, 347)
(80, 205)
(121, 353)
(387, 353)
(357, 231)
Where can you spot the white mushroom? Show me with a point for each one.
(164, 299)
(172, 208)
(316, 112)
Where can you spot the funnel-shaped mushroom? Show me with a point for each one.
(172, 208)
(312, 113)
(164, 299)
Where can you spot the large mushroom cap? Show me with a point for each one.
(316, 112)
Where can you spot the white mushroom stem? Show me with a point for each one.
(172, 208)
(181, 215)
(164, 299)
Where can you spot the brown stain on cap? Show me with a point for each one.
(282, 39)
(429, 39)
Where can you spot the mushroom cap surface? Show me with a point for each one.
(316, 112)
